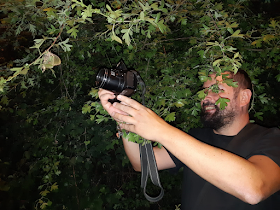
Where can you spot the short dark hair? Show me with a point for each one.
(244, 82)
(243, 79)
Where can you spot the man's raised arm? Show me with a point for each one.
(132, 149)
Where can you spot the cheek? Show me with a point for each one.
(227, 94)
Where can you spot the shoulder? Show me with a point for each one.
(266, 141)
(259, 131)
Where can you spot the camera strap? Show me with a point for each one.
(147, 158)
(149, 169)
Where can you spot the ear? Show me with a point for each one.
(245, 97)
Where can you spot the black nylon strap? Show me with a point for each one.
(147, 157)
(149, 168)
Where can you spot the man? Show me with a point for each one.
(222, 170)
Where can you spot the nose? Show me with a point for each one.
(211, 96)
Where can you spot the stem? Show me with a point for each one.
(253, 100)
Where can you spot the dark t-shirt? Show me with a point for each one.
(198, 194)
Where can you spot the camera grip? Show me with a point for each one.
(114, 100)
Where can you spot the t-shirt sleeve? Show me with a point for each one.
(269, 146)
(177, 162)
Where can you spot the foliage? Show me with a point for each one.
(59, 150)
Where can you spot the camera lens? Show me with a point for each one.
(110, 80)
(101, 77)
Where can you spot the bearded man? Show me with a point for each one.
(229, 164)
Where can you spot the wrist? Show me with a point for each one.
(164, 133)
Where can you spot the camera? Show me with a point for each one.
(118, 80)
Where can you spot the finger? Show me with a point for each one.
(121, 112)
(102, 92)
(106, 95)
(128, 127)
(125, 108)
(123, 118)
(130, 102)
(124, 103)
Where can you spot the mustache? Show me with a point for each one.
(208, 103)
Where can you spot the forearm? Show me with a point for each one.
(133, 153)
(223, 169)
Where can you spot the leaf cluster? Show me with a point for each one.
(67, 152)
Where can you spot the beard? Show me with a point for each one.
(219, 119)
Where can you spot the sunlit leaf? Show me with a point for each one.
(170, 117)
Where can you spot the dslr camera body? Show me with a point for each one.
(120, 80)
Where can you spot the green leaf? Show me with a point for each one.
(217, 62)
(52, 30)
(86, 109)
(44, 193)
(5, 100)
(274, 24)
(54, 186)
(94, 92)
(201, 94)
(263, 98)
(236, 55)
(65, 46)
(184, 21)
(157, 17)
(43, 205)
(194, 111)
(17, 69)
(154, 6)
(108, 7)
(32, 28)
(49, 203)
(57, 173)
(73, 31)
(142, 15)
(92, 117)
(161, 102)
(163, 28)
(116, 38)
(230, 82)
(164, 10)
(237, 34)
(259, 115)
(179, 103)
(86, 143)
(126, 38)
(230, 30)
(143, 7)
(278, 78)
(223, 102)
(170, 117)
(203, 78)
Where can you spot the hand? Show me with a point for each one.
(139, 119)
(104, 96)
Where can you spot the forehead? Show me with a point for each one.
(214, 80)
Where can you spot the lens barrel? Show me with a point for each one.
(110, 80)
